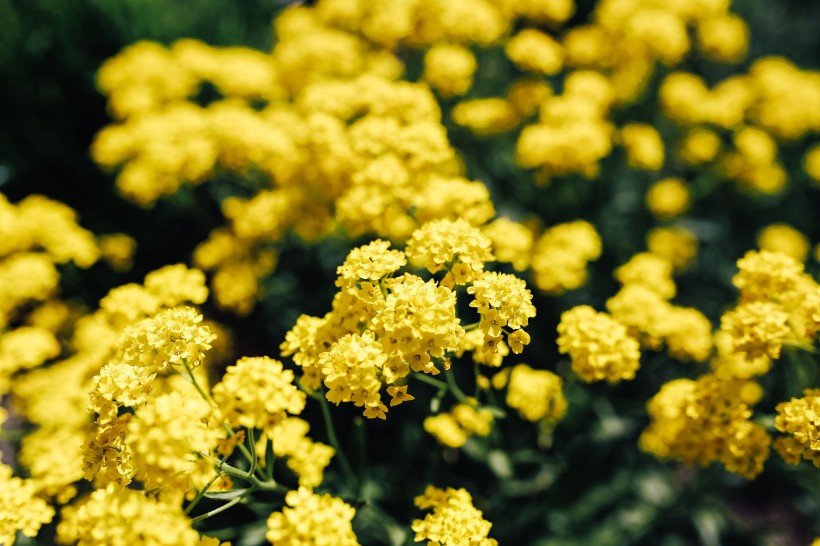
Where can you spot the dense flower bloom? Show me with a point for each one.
(800, 419)
(707, 420)
(20, 508)
(258, 392)
(311, 519)
(453, 245)
(114, 517)
(171, 438)
(453, 521)
(536, 394)
(599, 346)
(505, 304)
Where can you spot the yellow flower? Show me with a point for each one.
(310, 519)
(533, 50)
(258, 392)
(784, 239)
(399, 395)
(599, 346)
(453, 521)
(536, 394)
(668, 198)
(449, 69)
(644, 147)
(21, 509)
(703, 421)
(112, 516)
(800, 419)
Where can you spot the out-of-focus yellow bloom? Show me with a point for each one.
(668, 198)
(784, 239)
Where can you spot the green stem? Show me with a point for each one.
(270, 459)
(269, 485)
(218, 510)
(201, 493)
(457, 392)
(252, 443)
(194, 382)
(352, 482)
(424, 378)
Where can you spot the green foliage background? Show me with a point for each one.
(585, 484)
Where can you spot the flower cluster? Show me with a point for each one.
(454, 428)
(800, 419)
(454, 519)
(385, 326)
(561, 255)
(271, 399)
(599, 346)
(536, 394)
(707, 420)
(309, 518)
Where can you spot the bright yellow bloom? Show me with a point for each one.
(449, 69)
(784, 239)
(644, 147)
(533, 50)
(668, 198)
(114, 517)
(453, 245)
(703, 421)
(536, 394)
(454, 520)
(258, 392)
(599, 346)
(800, 419)
(20, 508)
(310, 519)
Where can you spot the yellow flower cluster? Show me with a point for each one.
(784, 239)
(505, 305)
(511, 242)
(643, 145)
(599, 346)
(536, 394)
(113, 517)
(310, 519)
(271, 399)
(384, 326)
(572, 134)
(667, 198)
(20, 508)
(139, 333)
(754, 164)
(535, 51)
(642, 306)
(676, 244)
(778, 303)
(800, 419)
(449, 69)
(561, 254)
(53, 457)
(454, 428)
(707, 420)
(170, 438)
(454, 245)
(306, 458)
(454, 519)
(488, 116)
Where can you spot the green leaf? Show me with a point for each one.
(227, 495)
